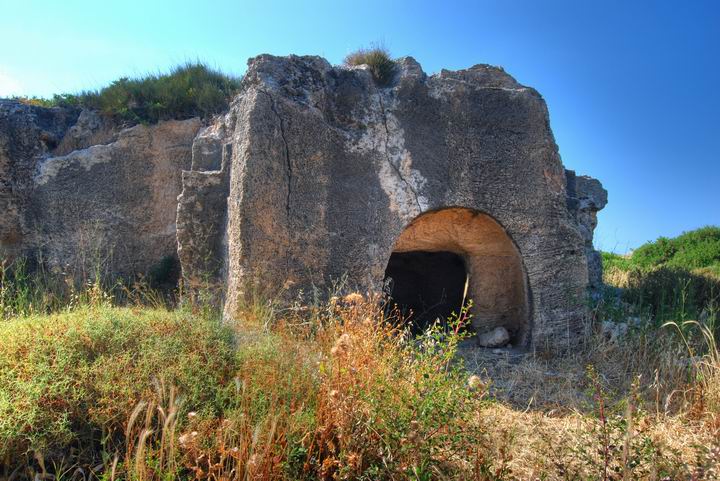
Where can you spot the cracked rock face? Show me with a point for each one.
(315, 174)
(79, 194)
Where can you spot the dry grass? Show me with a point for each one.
(377, 59)
(336, 392)
(351, 398)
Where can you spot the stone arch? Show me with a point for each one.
(443, 248)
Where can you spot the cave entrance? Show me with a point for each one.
(448, 255)
(426, 286)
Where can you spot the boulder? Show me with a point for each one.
(498, 337)
(437, 189)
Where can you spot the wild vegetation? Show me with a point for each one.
(378, 59)
(111, 382)
(189, 90)
(670, 279)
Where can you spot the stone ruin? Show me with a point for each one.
(433, 189)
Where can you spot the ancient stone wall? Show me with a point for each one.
(327, 169)
(82, 195)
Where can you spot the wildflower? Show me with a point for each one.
(353, 299)
(341, 345)
(475, 383)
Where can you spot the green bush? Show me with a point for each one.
(673, 279)
(378, 59)
(67, 378)
(187, 91)
(671, 293)
(691, 250)
(610, 260)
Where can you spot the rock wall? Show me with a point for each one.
(325, 171)
(26, 134)
(202, 212)
(81, 194)
(317, 174)
(586, 197)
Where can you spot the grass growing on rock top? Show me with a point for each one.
(378, 59)
(189, 90)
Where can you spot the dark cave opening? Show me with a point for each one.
(425, 286)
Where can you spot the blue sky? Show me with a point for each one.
(633, 87)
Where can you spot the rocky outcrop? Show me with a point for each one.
(328, 170)
(77, 205)
(26, 133)
(113, 205)
(585, 197)
(202, 212)
(447, 185)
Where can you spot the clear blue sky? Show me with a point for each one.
(633, 87)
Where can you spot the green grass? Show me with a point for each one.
(332, 392)
(378, 59)
(71, 379)
(610, 260)
(89, 383)
(671, 278)
(151, 394)
(188, 90)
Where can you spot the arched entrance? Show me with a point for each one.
(445, 254)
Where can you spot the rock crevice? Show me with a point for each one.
(286, 148)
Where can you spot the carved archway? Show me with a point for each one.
(440, 251)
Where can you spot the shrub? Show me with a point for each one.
(378, 59)
(187, 91)
(673, 279)
(341, 395)
(690, 250)
(67, 378)
(669, 293)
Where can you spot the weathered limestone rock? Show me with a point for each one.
(113, 205)
(498, 337)
(78, 206)
(329, 175)
(586, 196)
(26, 133)
(202, 212)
